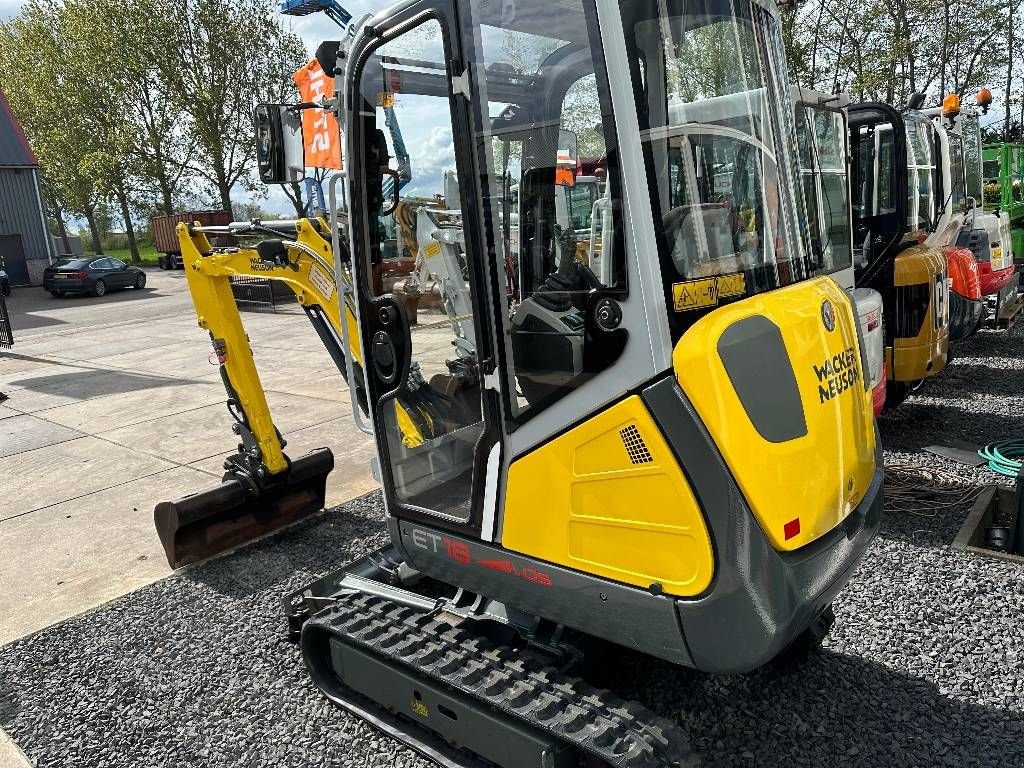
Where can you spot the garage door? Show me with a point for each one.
(12, 259)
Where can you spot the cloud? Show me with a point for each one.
(430, 158)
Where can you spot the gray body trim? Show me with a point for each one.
(760, 599)
(625, 615)
(754, 355)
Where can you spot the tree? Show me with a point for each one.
(230, 55)
(888, 50)
(48, 103)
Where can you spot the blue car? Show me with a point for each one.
(91, 274)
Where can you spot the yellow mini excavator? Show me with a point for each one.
(677, 456)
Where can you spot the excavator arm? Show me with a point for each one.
(262, 489)
(304, 264)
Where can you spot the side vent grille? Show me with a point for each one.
(635, 445)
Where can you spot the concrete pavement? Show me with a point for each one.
(114, 406)
(10, 755)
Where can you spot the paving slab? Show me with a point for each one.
(322, 385)
(121, 410)
(187, 359)
(36, 479)
(68, 558)
(39, 369)
(10, 755)
(118, 344)
(14, 363)
(56, 389)
(25, 433)
(6, 412)
(202, 432)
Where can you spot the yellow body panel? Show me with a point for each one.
(913, 359)
(819, 477)
(587, 501)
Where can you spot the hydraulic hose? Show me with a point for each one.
(1004, 457)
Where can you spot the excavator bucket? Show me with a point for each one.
(213, 521)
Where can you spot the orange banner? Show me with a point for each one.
(319, 128)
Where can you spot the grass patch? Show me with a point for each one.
(147, 254)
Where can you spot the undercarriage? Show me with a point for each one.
(465, 680)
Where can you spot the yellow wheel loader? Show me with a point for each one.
(678, 457)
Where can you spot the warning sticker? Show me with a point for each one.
(431, 249)
(732, 285)
(321, 282)
(705, 292)
(695, 294)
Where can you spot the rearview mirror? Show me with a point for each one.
(280, 149)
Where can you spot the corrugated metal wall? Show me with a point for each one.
(20, 214)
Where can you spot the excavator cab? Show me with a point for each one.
(671, 451)
(896, 183)
(675, 453)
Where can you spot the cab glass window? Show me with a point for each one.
(551, 191)
(921, 172)
(972, 157)
(957, 194)
(717, 130)
(821, 138)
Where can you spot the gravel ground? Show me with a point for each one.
(924, 667)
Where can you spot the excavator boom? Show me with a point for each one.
(263, 490)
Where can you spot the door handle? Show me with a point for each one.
(385, 358)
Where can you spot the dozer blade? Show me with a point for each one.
(207, 523)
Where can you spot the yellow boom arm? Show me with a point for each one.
(306, 268)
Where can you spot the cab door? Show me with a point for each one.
(418, 259)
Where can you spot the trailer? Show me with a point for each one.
(165, 237)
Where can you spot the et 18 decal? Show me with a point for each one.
(459, 551)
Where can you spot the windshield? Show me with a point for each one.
(72, 263)
(717, 132)
(921, 171)
(957, 193)
(972, 156)
(821, 138)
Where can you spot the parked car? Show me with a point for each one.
(92, 274)
(5, 283)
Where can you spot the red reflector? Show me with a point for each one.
(791, 529)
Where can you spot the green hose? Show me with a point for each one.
(1004, 456)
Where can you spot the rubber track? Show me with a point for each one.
(623, 733)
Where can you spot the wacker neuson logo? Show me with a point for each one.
(837, 374)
